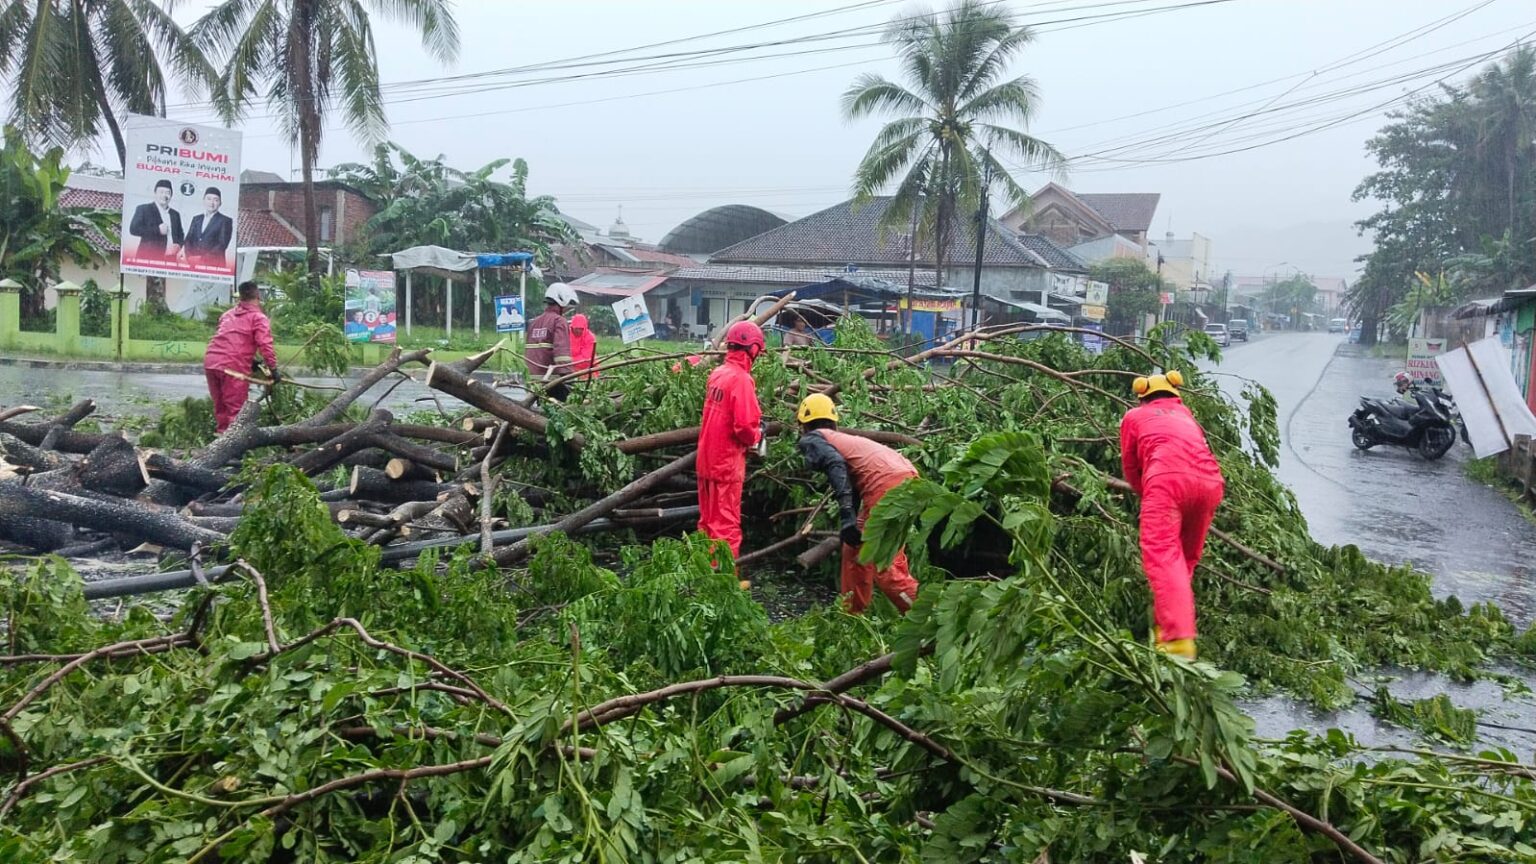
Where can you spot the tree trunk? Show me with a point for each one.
(301, 73)
(117, 132)
(154, 295)
(100, 514)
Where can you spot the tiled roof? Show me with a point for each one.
(791, 275)
(1125, 211)
(93, 199)
(1055, 257)
(259, 228)
(656, 256)
(846, 234)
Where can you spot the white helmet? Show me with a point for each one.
(561, 293)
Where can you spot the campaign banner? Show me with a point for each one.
(509, 313)
(1421, 359)
(1093, 343)
(370, 306)
(181, 199)
(634, 321)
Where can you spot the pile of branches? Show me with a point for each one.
(346, 695)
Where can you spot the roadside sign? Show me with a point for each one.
(509, 313)
(1097, 294)
(1421, 359)
(1095, 313)
(1165, 298)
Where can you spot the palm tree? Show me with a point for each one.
(311, 54)
(946, 134)
(73, 65)
(1505, 96)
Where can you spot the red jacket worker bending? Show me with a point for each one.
(861, 472)
(243, 332)
(731, 426)
(1168, 463)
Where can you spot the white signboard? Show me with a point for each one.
(509, 313)
(1421, 359)
(1097, 294)
(181, 199)
(634, 321)
(1473, 380)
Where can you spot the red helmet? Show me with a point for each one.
(746, 336)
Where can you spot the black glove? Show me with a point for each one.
(276, 376)
(851, 535)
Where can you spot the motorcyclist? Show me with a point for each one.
(860, 472)
(731, 425)
(1168, 463)
(549, 340)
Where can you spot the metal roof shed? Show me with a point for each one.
(452, 264)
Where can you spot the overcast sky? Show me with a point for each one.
(602, 142)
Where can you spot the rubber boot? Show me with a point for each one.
(1182, 647)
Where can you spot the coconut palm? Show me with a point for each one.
(1505, 98)
(948, 132)
(74, 65)
(311, 55)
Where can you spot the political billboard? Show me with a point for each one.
(509, 313)
(634, 321)
(370, 306)
(181, 199)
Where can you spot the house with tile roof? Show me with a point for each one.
(847, 238)
(1094, 225)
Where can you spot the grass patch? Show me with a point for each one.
(168, 327)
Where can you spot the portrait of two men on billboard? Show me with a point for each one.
(164, 236)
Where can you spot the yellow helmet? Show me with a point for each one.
(816, 406)
(1167, 383)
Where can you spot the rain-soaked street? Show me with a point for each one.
(1392, 504)
(1396, 507)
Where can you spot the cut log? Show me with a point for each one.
(404, 469)
(21, 454)
(447, 378)
(425, 456)
(331, 453)
(17, 411)
(632, 492)
(818, 553)
(186, 475)
(370, 484)
(114, 467)
(77, 412)
(42, 535)
(356, 518)
(117, 517)
(478, 425)
(455, 514)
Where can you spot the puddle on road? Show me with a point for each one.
(1504, 721)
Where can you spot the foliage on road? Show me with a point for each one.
(629, 702)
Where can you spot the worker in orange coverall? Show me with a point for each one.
(1168, 463)
(861, 472)
(732, 425)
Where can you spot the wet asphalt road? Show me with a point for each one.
(1397, 508)
(120, 394)
(1391, 503)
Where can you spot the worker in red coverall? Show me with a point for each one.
(244, 331)
(732, 425)
(583, 346)
(1168, 463)
(861, 472)
(548, 352)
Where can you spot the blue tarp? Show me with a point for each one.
(503, 259)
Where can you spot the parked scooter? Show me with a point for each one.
(1424, 427)
(1443, 400)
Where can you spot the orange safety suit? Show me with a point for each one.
(731, 425)
(1168, 463)
(861, 471)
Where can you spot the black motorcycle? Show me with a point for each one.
(1424, 427)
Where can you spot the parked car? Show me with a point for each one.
(1238, 329)
(1219, 333)
(1338, 325)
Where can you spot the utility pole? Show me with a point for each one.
(912, 271)
(981, 235)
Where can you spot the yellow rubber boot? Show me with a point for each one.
(1183, 647)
